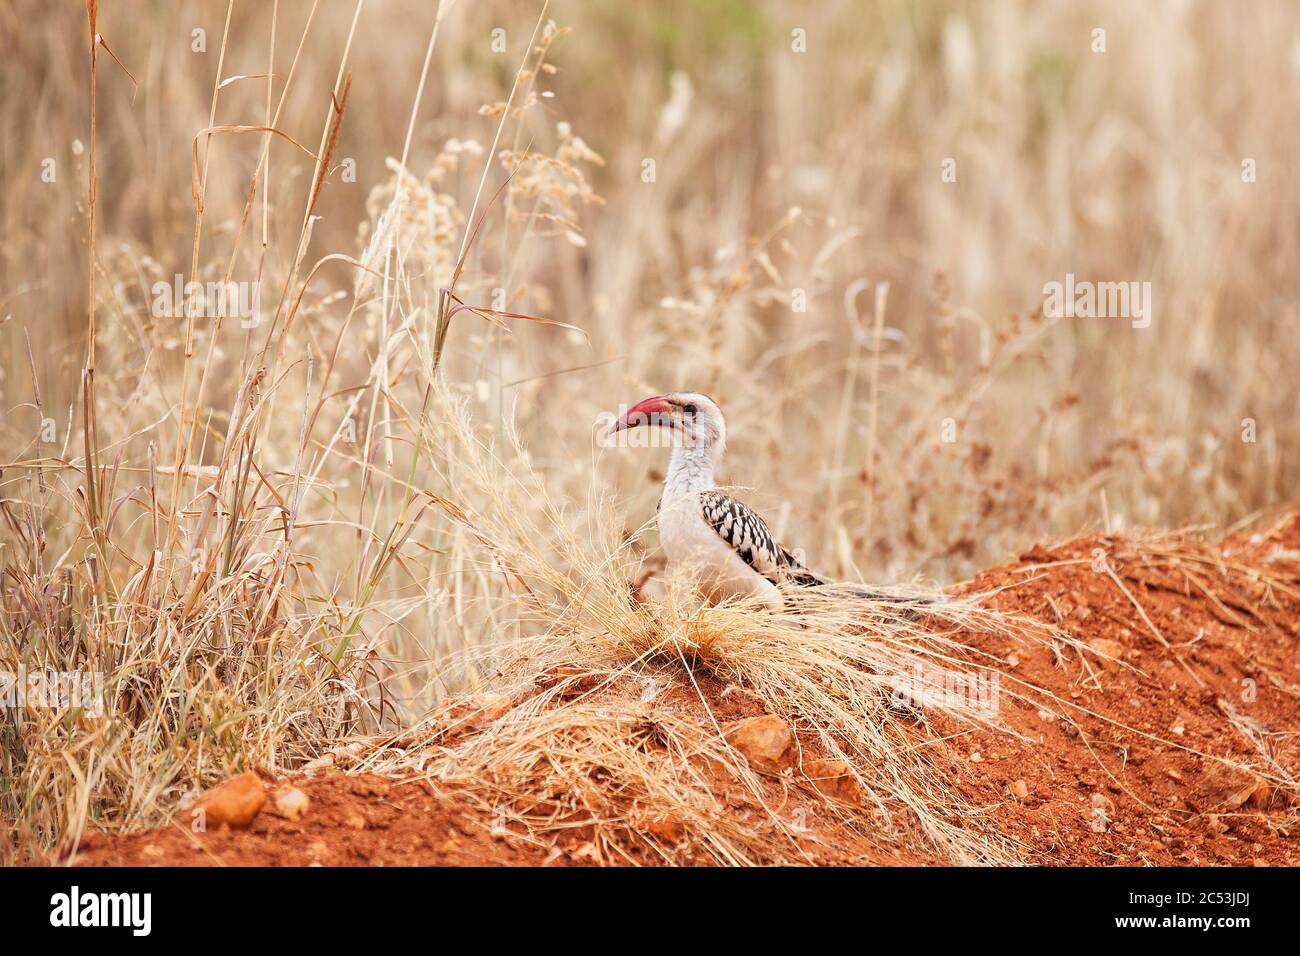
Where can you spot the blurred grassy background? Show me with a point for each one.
(1117, 165)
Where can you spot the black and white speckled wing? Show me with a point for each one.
(747, 533)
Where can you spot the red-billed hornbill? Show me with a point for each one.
(722, 545)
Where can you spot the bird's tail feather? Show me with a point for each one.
(909, 605)
(805, 578)
(798, 575)
(867, 594)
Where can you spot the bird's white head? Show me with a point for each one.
(694, 419)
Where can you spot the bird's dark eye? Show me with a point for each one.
(690, 409)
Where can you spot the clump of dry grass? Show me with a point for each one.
(608, 744)
(191, 592)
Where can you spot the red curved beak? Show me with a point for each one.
(650, 411)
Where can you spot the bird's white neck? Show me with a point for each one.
(690, 470)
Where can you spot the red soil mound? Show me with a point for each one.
(370, 820)
(1203, 644)
(1121, 762)
(350, 821)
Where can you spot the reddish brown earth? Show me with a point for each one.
(352, 821)
(368, 820)
(1232, 649)
(1195, 658)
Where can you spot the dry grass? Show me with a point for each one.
(596, 749)
(268, 539)
(614, 758)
